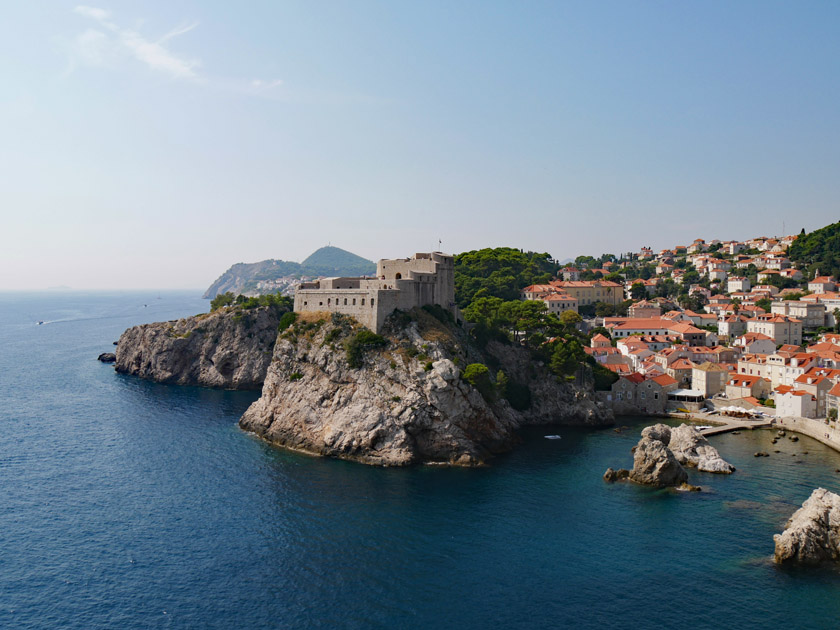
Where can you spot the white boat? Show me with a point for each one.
(553, 437)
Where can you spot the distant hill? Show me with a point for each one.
(334, 261)
(818, 251)
(327, 261)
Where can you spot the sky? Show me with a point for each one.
(154, 144)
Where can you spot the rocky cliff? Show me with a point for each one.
(228, 348)
(812, 535)
(403, 399)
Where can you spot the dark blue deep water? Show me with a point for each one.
(128, 504)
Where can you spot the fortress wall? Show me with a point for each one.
(358, 303)
(424, 279)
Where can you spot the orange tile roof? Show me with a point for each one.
(664, 380)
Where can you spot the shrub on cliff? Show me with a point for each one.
(223, 299)
(286, 320)
(478, 375)
(358, 343)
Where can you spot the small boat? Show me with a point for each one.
(702, 427)
(553, 437)
(40, 322)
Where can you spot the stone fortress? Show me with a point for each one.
(402, 283)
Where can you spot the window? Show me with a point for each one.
(619, 396)
(656, 395)
(363, 301)
(320, 303)
(371, 301)
(354, 301)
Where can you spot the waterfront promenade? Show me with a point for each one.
(736, 424)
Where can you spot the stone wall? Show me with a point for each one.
(401, 283)
(817, 429)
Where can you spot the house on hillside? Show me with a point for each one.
(794, 402)
(742, 386)
(822, 284)
(709, 378)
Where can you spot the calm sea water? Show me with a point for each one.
(128, 504)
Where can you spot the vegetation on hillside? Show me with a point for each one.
(500, 272)
(280, 303)
(327, 261)
(819, 250)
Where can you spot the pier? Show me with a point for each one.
(735, 424)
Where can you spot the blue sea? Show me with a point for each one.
(128, 504)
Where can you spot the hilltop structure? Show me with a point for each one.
(402, 283)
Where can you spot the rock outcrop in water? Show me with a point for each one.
(653, 462)
(406, 402)
(228, 348)
(691, 448)
(812, 535)
(660, 455)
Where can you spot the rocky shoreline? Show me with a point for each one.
(229, 348)
(407, 403)
(403, 402)
(661, 454)
(812, 535)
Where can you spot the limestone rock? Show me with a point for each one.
(687, 487)
(396, 409)
(691, 448)
(616, 475)
(661, 432)
(228, 348)
(655, 465)
(107, 357)
(812, 535)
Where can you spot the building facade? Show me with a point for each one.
(402, 283)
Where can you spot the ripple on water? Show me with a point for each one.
(134, 505)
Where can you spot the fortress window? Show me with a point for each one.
(354, 301)
(371, 301)
(363, 301)
(398, 276)
(320, 303)
(345, 301)
(305, 303)
(328, 301)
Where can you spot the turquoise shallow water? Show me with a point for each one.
(128, 504)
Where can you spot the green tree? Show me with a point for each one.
(478, 375)
(638, 291)
(567, 357)
(602, 309)
(764, 303)
(502, 383)
(223, 299)
(501, 272)
(570, 319)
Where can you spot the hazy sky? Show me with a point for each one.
(154, 144)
